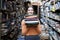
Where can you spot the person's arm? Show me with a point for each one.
(38, 29)
(24, 29)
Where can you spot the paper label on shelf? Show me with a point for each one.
(54, 27)
(58, 30)
(53, 9)
(57, 17)
(34, 0)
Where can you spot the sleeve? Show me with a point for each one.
(38, 29)
(24, 28)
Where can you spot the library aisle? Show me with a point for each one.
(12, 12)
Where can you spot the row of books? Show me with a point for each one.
(54, 25)
(51, 15)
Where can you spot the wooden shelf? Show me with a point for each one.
(52, 16)
(55, 29)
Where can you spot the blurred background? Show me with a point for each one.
(13, 11)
